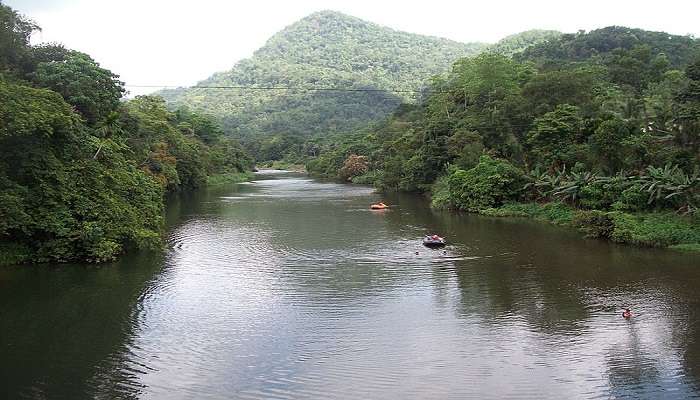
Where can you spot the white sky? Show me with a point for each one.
(177, 43)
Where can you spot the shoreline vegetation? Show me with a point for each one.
(83, 172)
(659, 230)
(597, 130)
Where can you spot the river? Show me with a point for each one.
(291, 288)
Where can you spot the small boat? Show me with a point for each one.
(378, 206)
(434, 241)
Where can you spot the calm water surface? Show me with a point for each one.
(288, 287)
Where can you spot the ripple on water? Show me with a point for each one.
(317, 297)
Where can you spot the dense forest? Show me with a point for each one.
(324, 50)
(599, 130)
(83, 174)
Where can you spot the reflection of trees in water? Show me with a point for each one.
(60, 325)
(560, 284)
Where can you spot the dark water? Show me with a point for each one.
(292, 288)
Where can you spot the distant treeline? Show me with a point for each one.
(83, 173)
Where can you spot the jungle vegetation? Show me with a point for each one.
(327, 49)
(604, 125)
(83, 173)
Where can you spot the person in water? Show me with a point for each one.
(627, 314)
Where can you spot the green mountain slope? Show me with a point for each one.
(610, 42)
(325, 49)
(514, 44)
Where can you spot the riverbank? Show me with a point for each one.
(12, 253)
(283, 166)
(653, 229)
(229, 178)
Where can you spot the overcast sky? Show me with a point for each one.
(177, 43)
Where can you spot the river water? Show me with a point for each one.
(291, 288)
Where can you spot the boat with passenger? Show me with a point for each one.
(434, 241)
(378, 206)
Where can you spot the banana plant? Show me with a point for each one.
(543, 183)
(570, 188)
(670, 183)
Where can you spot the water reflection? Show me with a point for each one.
(292, 288)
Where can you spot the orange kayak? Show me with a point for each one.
(378, 206)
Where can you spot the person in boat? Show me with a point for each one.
(627, 314)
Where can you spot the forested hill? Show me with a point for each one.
(610, 42)
(325, 49)
(599, 130)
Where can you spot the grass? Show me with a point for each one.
(653, 229)
(229, 178)
(555, 213)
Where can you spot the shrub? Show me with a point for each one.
(441, 193)
(489, 184)
(595, 224)
(368, 178)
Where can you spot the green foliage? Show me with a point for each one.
(553, 138)
(555, 212)
(518, 42)
(82, 175)
(607, 141)
(489, 184)
(655, 229)
(600, 44)
(325, 49)
(93, 91)
(15, 31)
(596, 224)
(63, 203)
(670, 186)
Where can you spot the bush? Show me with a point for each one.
(595, 224)
(441, 194)
(369, 178)
(631, 199)
(490, 184)
(655, 229)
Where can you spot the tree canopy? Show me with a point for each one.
(83, 173)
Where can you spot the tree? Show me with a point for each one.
(64, 203)
(552, 139)
(607, 143)
(92, 90)
(688, 112)
(489, 184)
(15, 31)
(353, 166)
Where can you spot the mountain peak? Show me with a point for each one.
(328, 14)
(324, 49)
